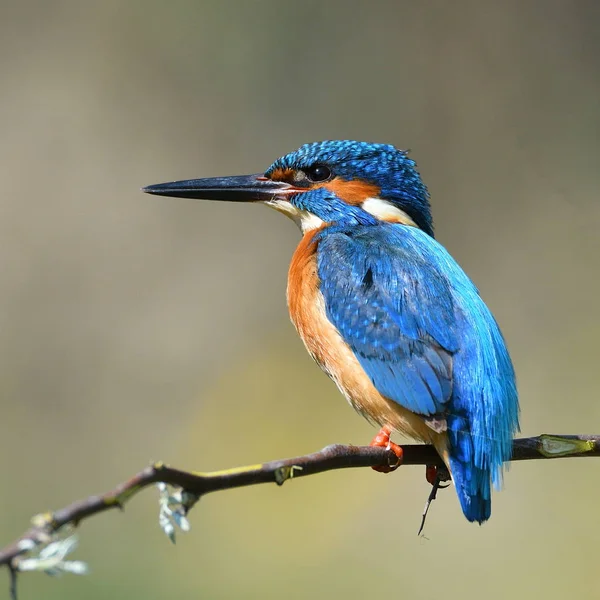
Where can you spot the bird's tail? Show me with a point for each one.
(472, 476)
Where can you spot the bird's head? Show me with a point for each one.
(325, 183)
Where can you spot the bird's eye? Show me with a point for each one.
(318, 173)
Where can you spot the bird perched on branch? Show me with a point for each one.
(383, 308)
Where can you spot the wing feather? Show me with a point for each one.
(396, 312)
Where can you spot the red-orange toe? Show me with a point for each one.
(431, 473)
(382, 440)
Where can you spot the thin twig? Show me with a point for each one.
(331, 457)
(13, 582)
(441, 475)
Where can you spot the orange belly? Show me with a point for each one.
(326, 346)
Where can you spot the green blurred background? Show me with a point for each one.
(138, 328)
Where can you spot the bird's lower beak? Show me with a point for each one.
(239, 188)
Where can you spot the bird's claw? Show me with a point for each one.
(382, 440)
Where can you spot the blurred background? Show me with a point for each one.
(137, 328)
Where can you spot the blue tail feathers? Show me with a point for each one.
(484, 419)
(472, 477)
(473, 490)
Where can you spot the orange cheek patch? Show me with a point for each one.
(353, 192)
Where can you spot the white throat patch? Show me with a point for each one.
(307, 221)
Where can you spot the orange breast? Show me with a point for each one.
(327, 347)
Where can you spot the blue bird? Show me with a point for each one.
(383, 308)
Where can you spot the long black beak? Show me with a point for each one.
(239, 188)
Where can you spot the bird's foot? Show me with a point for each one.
(435, 475)
(382, 440)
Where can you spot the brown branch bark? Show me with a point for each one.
(278, 471)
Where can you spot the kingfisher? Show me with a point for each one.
(383, 308)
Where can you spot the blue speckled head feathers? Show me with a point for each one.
(385, 166)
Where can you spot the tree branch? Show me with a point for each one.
(331, 457)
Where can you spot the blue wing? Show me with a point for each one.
(395, 309)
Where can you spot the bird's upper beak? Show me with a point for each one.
(238, 188)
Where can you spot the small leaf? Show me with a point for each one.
(51, 559)
(173, 508)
